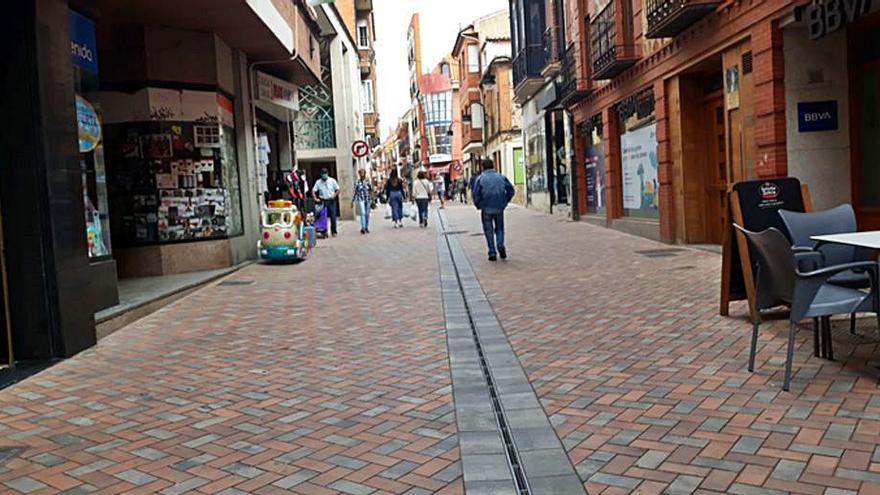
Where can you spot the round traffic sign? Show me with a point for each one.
(360, 148)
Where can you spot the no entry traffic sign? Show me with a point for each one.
(360, 149)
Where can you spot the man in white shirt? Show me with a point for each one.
(326, 191)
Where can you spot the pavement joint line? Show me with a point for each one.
(464, 299)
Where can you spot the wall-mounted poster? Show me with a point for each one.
(639, 163)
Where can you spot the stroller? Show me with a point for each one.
(320, 220)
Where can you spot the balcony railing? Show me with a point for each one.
(528, 64)
(611, 43)
(667, 18)
(575, 86)
(552, 51)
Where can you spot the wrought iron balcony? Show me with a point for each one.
(575, 86)
(611, 44)
(667, 18)
(552, 52)
(527, 67)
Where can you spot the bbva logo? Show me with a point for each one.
(817, 116)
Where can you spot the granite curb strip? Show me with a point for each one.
(471, 326)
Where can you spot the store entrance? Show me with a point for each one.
(700, 150)
(865, 113)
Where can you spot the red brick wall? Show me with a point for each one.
(769, 73)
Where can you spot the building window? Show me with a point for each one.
(363, 34)
(473, 58)
(476, 116)
(444, 69)
(367, 96)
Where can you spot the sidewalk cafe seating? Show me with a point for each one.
(839, 220)
(798, 280)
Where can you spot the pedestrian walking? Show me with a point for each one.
(395, 191)
(422, 191)
(362, 200)
(440, 187)
(326, 191)
(491, 194)
(462, 186)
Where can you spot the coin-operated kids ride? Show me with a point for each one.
(283, 238)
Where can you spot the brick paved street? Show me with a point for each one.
(332, 377)
(326, 377)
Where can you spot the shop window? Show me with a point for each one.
(638, 156)
(536, 171)
(84, 57)
(594, 165)
(175, 180)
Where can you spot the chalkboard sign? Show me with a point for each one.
(754, 205)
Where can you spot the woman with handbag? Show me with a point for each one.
(422, 191)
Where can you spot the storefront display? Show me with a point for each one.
(84, 57)
(166, 189)
(638, 150)
(536, 179)
(595, 172)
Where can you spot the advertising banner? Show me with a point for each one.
(83, 43)
(274, 90)
(595, 177)
(639, 160)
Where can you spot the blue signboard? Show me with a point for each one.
(83, 43)
(816, 116)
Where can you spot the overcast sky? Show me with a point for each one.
(440, 22)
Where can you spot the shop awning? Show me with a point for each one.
(439, 169)
(256, 27)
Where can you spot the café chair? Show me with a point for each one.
(839, 220)
(784, 277)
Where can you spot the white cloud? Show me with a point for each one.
(440, 22)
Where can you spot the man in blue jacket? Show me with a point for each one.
(492, 192)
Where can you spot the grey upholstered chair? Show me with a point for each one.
(779, 280)
(839, 220)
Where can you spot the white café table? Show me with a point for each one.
(869, 239)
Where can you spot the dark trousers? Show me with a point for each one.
(462, 195)
(493, 228)
(332, 213)
(423, 210)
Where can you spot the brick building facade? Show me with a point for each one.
(672, 102)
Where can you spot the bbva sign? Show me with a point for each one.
(826, 16)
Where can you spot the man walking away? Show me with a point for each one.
(326, 191)
(362, 200)
(492, 192)
(462, 186)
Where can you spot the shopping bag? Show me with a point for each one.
(387, 212)
(411, 212)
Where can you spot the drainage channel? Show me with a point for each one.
(507, 443)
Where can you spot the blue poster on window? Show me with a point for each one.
(83, 43)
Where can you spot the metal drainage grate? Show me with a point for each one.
(660, 253)
(229, 283)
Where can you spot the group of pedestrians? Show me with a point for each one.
(491, 192)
